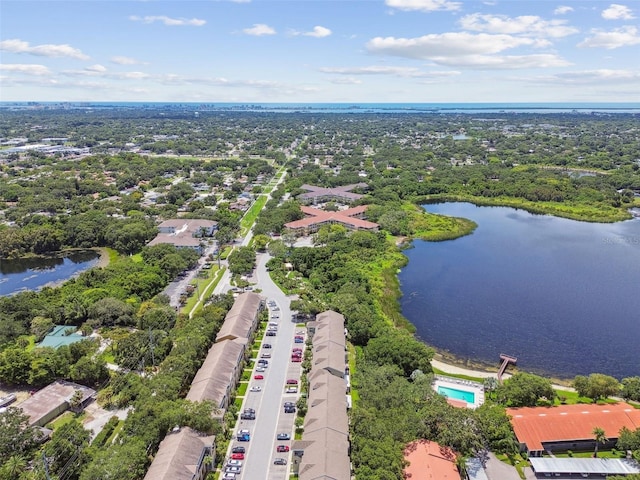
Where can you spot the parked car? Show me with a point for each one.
(248, 414)
(266, 345)
(232, 469)
(263, 362)
(260, 369)
(234, 463)
(296, 358)
(271, 333)
(297, 349)
(255, 388)
(237, 456)
(279, 461)
(266, 355)
(258, 377)
(292, 381)
(289, 409)
(292, 390)
(273, 324)
(282, 448)
(295, 340)
(283, 436)
(228, 476)
(238, 449)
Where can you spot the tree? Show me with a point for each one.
(66, 451)
(17, 437)
(524, 390)
(600, 437)
(260, 242)
(111, 312)
(13, 467)
(596, 386)
(631, 388)
(126, 461)
(399, 348)
(40, 326)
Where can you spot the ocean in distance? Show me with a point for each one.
(351, 108)
(560, 295)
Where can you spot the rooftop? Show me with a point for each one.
(430, 461)
(535, 425)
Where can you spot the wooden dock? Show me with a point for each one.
(506, 360)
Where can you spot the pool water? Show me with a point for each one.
(456, 394)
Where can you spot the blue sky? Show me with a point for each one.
(320, 51)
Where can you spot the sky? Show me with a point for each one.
(349, 51)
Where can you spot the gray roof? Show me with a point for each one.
(175, 240)
(597, 466)
(326, 404)
(329, 328)
(326, 456)
(192, 224)
(240, 320)
(178, 455)
(52, 397)
(329, 356)
(217, 376)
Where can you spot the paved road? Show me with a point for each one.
(270, 416)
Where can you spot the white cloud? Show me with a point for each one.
(318, 32)
(448, 44)
(597, 77)
(259, 29)
(47, 50)
(423, 5)
(410, 72)
(617, 12)
(562, 10)
(525, 24)
(619, 37)
(96, 68)
(503, 62)
(169, 21)
(27, 69)
(346, 81)
(120, 60)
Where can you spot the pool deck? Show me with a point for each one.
(457, 383)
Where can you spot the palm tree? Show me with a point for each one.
(600, 437)
(14, 466)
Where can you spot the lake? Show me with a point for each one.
(33, 273)
(562, 296)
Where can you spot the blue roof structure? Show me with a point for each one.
(61, 335)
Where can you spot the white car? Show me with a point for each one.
(234, 463)
(255, 389)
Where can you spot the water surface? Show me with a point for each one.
(33, 273)
(562, 296)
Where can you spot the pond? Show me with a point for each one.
(33, 273)
(562, 296)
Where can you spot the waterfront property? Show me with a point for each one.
(459, 393)
(570, 427)
(351, 218)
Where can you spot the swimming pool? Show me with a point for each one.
(456, 394)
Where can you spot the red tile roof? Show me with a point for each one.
(346, 217)
(429, 461)
(535, 425)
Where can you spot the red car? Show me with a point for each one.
(282, 448)
(237, 456)
(296, 359)
(258, 377)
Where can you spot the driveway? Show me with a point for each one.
(497, 470)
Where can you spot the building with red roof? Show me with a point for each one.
(430, 461)
(351, 218)
(570, 427)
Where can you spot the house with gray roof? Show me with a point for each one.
(183, 455)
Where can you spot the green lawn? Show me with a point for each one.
(457, 375)
(65, 418)
(242, 389)
(249, 218)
